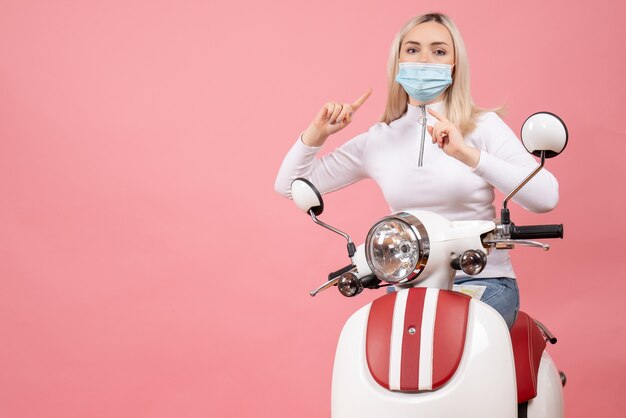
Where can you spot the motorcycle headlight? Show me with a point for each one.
(397, 248)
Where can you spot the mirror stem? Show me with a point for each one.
(351, 247)
(526, 180)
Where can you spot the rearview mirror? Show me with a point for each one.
(306, 196)
(544, 131)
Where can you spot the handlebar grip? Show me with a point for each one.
(339, 272)
(537, 231)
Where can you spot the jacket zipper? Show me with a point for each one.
(420, 160)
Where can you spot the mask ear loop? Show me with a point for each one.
(452, 71)
(447, 92)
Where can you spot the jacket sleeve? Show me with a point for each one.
(333, 171)
(504, 163)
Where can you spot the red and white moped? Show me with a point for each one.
(426, 350)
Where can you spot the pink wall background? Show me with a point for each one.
(148, 269)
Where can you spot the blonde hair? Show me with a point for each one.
(460, 107)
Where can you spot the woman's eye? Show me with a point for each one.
(440, 52)
(411, 51)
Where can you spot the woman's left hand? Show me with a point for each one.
(450, 140)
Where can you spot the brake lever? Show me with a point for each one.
(325, 286)
(333, 278)
(505, 243)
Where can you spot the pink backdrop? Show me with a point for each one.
(148, 269)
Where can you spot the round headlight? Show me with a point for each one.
(396, 248)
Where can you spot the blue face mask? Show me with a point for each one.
(424, 81)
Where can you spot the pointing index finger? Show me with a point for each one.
(438, 116)
(361, 100)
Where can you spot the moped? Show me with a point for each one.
(425, 350)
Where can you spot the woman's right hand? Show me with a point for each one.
(332, 118)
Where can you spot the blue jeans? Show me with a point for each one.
(501, 293)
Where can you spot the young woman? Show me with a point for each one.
(471, 150)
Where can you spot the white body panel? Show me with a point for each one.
(483, 386)
(549, 400)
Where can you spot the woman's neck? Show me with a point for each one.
(414, 102)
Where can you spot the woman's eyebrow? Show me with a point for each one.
(432, 43)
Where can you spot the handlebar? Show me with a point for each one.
(338, 273)
(536, 231)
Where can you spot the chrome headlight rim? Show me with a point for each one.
(421, 238)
